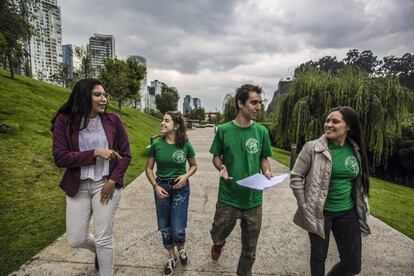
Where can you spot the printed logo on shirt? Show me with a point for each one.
(252, 145)
(179, 156)
(351, 163)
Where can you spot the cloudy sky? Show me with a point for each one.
(208, 48)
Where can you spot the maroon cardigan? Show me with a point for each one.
(66, 153)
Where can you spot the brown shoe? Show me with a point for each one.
(216, 251)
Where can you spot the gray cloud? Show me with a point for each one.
(207, 47)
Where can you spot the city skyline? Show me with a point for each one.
(207, 49)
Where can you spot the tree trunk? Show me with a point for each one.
(4, 61)
(11, 66)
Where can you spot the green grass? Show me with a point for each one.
(32, 206)
(389, 202)
(281, 156)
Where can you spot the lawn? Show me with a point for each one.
(32, 206)
(389, 202)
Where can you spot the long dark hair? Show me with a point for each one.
(350, 116)
(79, 104)
(180, 134)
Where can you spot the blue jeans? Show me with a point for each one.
(172, 213)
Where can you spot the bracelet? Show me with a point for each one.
(155, 186)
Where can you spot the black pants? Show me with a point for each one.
(347, 234)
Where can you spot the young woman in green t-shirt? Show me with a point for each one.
(171, 186)
(330, 183)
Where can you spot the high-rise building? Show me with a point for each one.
(196, 103)
(143, 90)
(153, 90)
(67, 51)
(45, 46)
(70, 59)
(187, 104)
(101, 48)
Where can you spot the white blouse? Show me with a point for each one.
(92, 137)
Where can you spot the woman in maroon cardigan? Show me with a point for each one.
(93, 147)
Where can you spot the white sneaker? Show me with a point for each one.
(169, 267)
(183, 256)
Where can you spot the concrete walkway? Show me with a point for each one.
(283, 248)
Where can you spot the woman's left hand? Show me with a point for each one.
(180, 182)
(107, 191)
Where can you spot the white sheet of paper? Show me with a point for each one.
(260, 182)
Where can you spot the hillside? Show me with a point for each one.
(32, 206)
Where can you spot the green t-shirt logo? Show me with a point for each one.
(351, 163)
(252, 145)
(179, 156)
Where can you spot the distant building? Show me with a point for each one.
(153, 90)
(143, 90)
(196, 103)
(67, 53)
(187, 104)
(45, 46)
(101, 48)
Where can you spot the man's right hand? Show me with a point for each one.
(224, 173)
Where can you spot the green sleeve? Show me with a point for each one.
(267, 147)
(190, 151)
(217, 145)
(151, 150)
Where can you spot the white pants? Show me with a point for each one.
(79, 210)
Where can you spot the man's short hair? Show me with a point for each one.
(242, 93)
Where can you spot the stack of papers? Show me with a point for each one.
(260, 182)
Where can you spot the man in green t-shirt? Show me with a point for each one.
(240, 149)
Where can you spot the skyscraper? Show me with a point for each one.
(101, 48)
(143, 90)
(196, 103)
(70, 59)
(67, 51)
(45, 46)
(187, 104)
(153, 90)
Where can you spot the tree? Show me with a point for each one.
(61, 76)
(381, 102)
(402, 67)
(229, 112)
(115, 78)
(326, 64)
(364, 60)
(167, 100)
(198, 113)
(136, 74)
(15, 31)
(85, 71)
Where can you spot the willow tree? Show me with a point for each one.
(229, 112)
(382, 104)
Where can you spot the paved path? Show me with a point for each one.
(283, 248)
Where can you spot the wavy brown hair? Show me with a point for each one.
(350, 117)
(181, 132)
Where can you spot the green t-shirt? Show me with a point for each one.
(170, 159)
(345, 168)
(241, 150)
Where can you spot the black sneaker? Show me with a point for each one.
(169, 267)
(183, 256)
